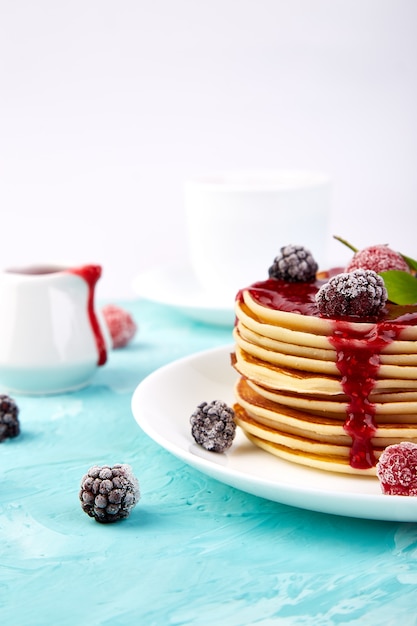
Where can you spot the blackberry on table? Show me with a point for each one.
(213, 426)
(108, 494)
(360, 293)
(294, 264)
(9, 418)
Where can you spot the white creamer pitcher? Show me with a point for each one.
(51, 338)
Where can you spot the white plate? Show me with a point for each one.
(208, 376)
(177, 286)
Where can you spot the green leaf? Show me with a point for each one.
(412, 264)
(401, 286)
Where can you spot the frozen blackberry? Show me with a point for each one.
(9, 418)
(397, 469)
(109, 493)
(295, 265)
(213, 426)
(361, 293)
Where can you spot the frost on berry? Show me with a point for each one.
(108, 494)
(9, 418)
(213, 426)
(122, 327)
(294, 264)
(397, 469)
(361, 293)
(377, 258)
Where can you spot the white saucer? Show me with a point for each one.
(178, 287)
(208, 376)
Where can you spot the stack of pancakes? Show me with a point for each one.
(291, 399)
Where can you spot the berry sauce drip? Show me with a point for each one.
(358, 354)
(91, 274)
(359, 364)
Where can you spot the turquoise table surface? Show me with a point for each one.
(194, 551)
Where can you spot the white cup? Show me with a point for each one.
(237, 223)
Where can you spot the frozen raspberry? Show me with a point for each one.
(295, 265)
(397, 469)
(9, 420)
(109, 493)
(361, 293)
(213, 426)
(121, 325)
(377, 258)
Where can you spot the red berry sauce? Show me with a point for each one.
(91, 274)
(358, 354)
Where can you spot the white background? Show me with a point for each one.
(107, 107)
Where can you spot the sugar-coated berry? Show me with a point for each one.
(9, 418)
(121, 325)
(294, 264)
(361, 293)
(108, 494)
(377, 258)
(397, 469)
(213, 426)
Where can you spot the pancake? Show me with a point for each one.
(326, 393)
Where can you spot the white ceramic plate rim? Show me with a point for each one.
(163, 402)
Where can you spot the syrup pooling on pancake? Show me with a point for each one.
(359, 345)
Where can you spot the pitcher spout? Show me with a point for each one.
(90, 273)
